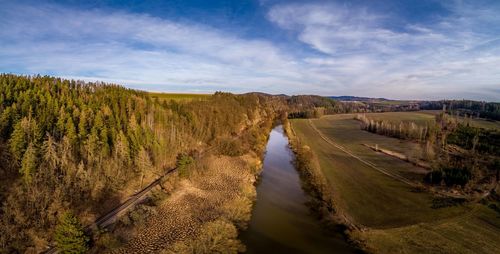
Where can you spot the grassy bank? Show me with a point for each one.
(322, 201)
(395, 217)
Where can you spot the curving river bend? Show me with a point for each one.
(281, 222)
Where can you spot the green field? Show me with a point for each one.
(474, 232)
(346, 131)
(179, 96)
(392, 211)
(428, 117)
(418, 117)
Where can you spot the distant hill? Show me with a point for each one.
(356, 98)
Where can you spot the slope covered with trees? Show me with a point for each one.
(70, 145)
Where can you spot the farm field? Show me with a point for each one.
(394, 214)
(473, 232)
(346, 131)
(424, 117)
(373, 199)
(179, 96)
(418, 117)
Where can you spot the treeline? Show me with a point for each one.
(401, 130)
(479, 109)
(446, 128)
(70, 145)
(477, 156)
(313, 106)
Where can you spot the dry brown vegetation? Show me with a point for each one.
(203, 214)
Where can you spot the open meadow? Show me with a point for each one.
(377, 192)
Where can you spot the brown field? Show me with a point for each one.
(217, 197)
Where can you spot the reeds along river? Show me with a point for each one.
(281, 222)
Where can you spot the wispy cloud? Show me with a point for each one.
(450, 57)
(345, 51)
(136, 48)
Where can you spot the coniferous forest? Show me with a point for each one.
(69, 145)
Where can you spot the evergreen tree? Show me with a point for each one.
(29, 163)
(18, 141)
(69, 235)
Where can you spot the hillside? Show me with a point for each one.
(73, 146)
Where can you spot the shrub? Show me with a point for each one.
(107, 241)
(218, 236)
(231, 147)
(239, 210)
(183, 162)
(456, 176)
(141, 213)
(440, 202)
(434, 177)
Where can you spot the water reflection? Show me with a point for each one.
(281, 222)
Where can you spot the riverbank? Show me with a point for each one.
(282, 221)
(394, 217)
(322, 200)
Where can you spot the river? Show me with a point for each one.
(281, 222)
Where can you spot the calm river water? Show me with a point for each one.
(281, 222)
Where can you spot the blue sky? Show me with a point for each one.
(395, 49)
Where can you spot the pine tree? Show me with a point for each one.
(18, 141)
(69, 235)
(122, 149)
(29, 162)
(71, 131)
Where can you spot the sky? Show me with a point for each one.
(421, 49)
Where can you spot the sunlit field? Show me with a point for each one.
(398, 217)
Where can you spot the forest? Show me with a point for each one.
(488, 110)
(69, 145)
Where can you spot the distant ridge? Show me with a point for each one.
(267, 94)
(356, 98)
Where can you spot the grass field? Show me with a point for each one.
(179, 96)
(398, 218)
(474, 232)
(418, 117)
(427, 117)
(345, 130)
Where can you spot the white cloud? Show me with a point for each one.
(436, 60)
(356, 53)
(137, 49)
